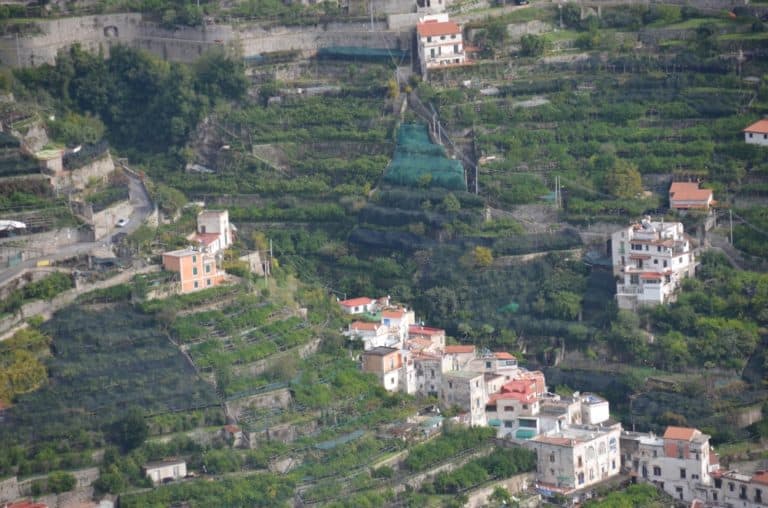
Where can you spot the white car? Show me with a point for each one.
(122, 222)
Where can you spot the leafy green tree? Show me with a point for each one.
(623, 180)
(500, 497)
(532, 45)
(61, 481)
(131, 430)
(451, 203)
(73, 129)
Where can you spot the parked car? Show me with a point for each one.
(122, 222)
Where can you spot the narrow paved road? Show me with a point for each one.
(142, 207)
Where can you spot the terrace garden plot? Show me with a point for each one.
(104, 361)
(598, 129)
(247, 330)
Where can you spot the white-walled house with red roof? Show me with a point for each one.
(757, 133)
(650, 261)
(440, 43)
(359, 305)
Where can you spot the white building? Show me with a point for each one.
(214, 232)
(372, 335)
(577, 456)
(440, 42)
(650, 260)
(358, 305)
(679, 462)
(165, 470)
(757, 133)
(731, 488)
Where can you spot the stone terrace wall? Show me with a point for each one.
(185, 44)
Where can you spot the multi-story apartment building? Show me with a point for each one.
(196, 270)
(680, 462)
(576, 456)
(650, 260)
(440, 42)
(731, 489)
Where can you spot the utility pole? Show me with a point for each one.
(730, 217)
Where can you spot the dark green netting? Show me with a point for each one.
(418, 161)
(362, 54)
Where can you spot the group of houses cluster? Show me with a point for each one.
(199, 265)
(577, 443)
(651, 258)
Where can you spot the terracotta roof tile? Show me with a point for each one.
(393, 313)
(760, 127)
(680, 433)
(760, 477)
(689, 191)
(362, 325)
(459, 349)
(433, 28)
(503, 355)
(354, 302)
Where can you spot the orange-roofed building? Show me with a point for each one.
(385, 363)
(689, 196)
(757, 133)
(196, 270)
(679, 462)
(435, 336)
(440, 43)
(358, 305)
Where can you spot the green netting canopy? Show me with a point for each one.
(356, 53)
(417, 161)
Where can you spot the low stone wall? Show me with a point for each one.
(99, 169)
(9, 490)
(275, 398)
(260, 366)
(186, 44)
(47, 308)
(516, 484)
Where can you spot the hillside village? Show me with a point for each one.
(564, 205)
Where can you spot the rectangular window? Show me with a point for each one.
(758, 496)
(509, 408)
(455, 48)
(207, 268)
(207, 282)
(714, 495)
(682, 473)
(194, 270)
(194, 259)
(743, 492)
(730, 486)
(487, 365)
(656, 471)
(196, 285)
(508, 423)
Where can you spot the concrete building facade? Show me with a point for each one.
(440, 42)
(650, 260)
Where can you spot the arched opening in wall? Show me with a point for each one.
(111, 31)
